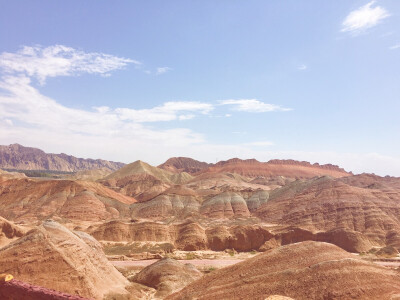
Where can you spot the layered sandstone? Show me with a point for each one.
(328, 204)
(31, 200)
(191, 236)
(166, 205)
(225, 205)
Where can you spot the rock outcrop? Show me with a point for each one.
(9, 232)
(239, 238)
(191, 236)
(308, 270)
(166, 205)
(56, 258)
(19, 157)
(225, 205)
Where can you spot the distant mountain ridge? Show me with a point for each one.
(254, 168)
(18, 157)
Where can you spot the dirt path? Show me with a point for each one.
(218, 263)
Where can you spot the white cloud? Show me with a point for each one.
(302, 67)
(185, 117)
(166, 112)
(397, 46)
(103, 132)
(162, 70)
(60, 60)
(363, 18)
(252, 105)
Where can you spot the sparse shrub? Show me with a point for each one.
(167, 247)
(209, 270)
(191, 255)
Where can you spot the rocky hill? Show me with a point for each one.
(29, 200)
(254, 168)
(184, 164)
(18, 157)
(308, 270)
(362, 203)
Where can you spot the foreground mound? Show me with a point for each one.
(16, 289)
(307, 270)
(167, 275)
(56, 258)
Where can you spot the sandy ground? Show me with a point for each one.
(218, 263)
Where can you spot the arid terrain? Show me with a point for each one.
(236, 229)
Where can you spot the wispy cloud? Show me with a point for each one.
(302, 67)
(162, 70)
(42, 117)
(260, 144)
(252, 105)
(363, 18)
(169, 111)
(397, 46)
(43, 62)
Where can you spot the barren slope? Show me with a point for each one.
(307, 270)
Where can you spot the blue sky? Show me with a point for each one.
(307, 80)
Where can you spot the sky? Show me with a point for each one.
(147, 80)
